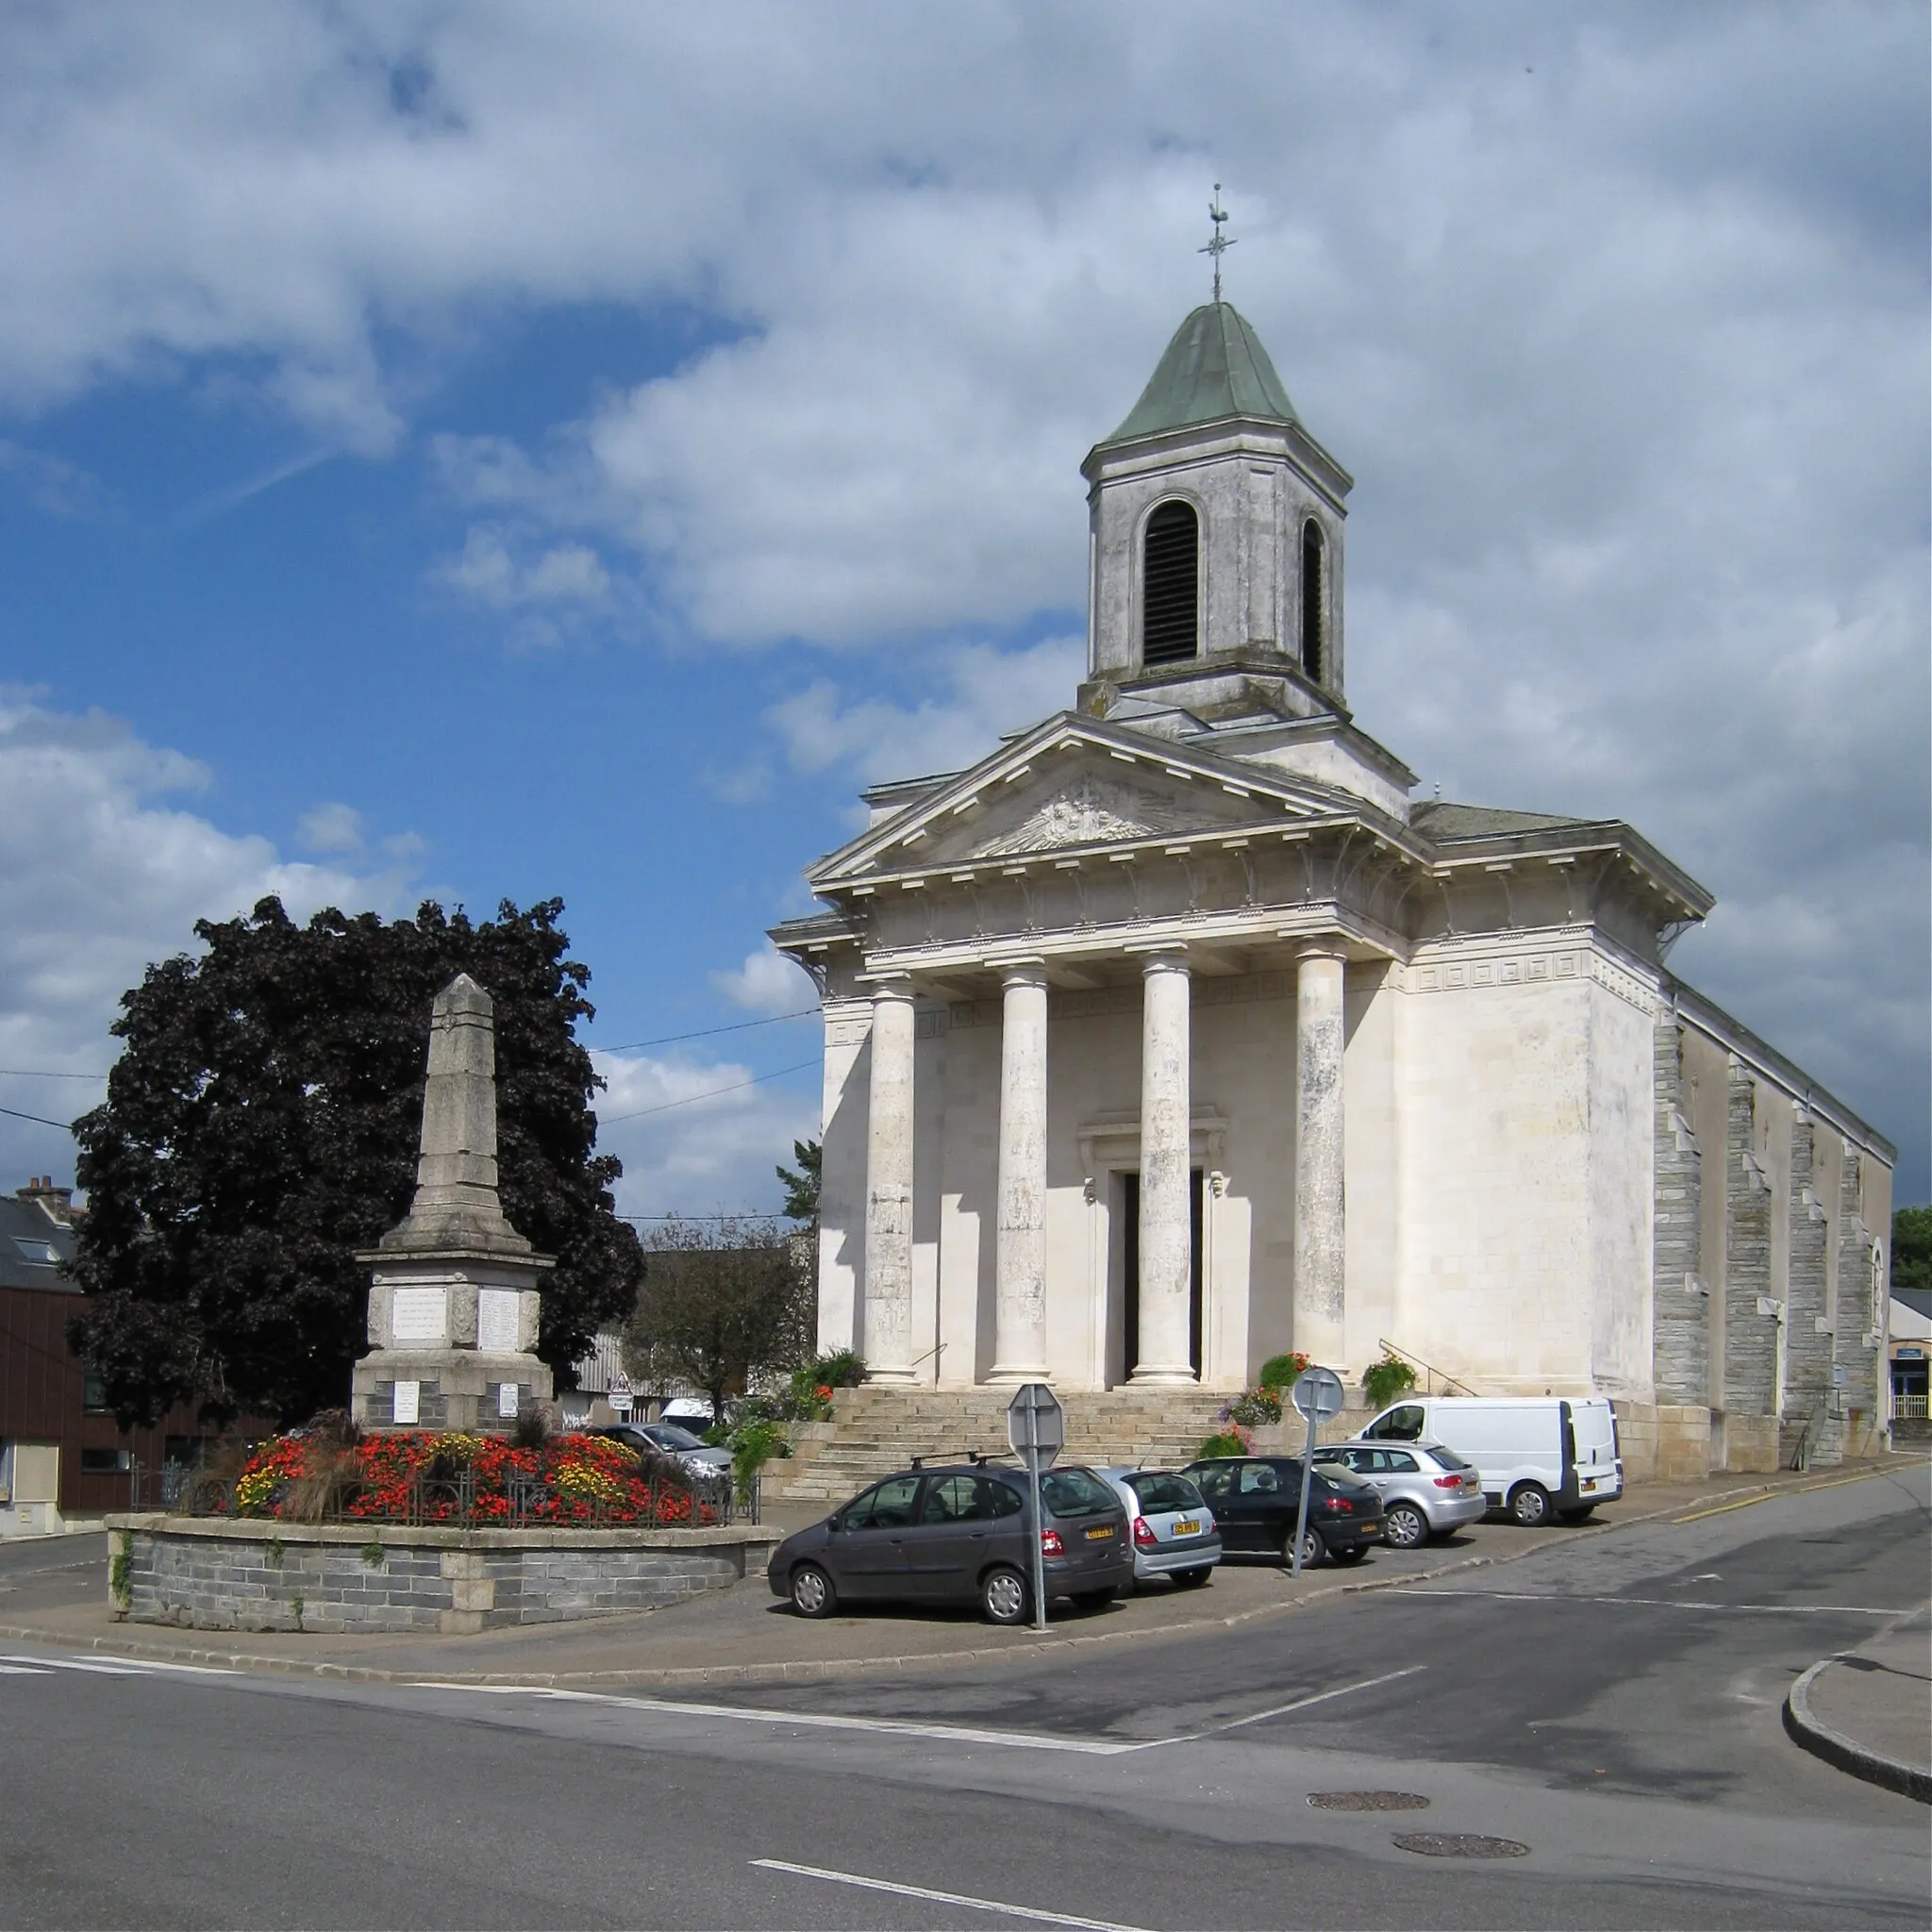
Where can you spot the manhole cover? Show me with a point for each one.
(1368, 1801)
(1459, 1844)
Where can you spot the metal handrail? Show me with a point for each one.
(938, 1348)
(1427, 1368)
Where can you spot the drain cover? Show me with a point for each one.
(1459, 1844)
(1368, 1801)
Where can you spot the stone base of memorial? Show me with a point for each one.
(203, 1573)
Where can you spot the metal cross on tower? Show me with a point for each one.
(1221, 244)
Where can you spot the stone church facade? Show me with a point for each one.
(1174, 1034)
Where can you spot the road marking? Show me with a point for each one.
(22, 1671)
(915, 1727)
(1300, 1704)
(120, 1666)
(1663, 1603)
(943, 1898)
(1837, 1482)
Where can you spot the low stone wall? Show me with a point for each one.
(211, 1573)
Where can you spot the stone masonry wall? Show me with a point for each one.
(1680, 1316)
(200, 1575)
(1851, 1319)
(1808, 1320)
(1750, 1364)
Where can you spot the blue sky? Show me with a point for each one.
(493, 450)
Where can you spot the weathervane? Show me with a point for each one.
(1221, 244)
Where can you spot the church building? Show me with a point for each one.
(1175, 1033)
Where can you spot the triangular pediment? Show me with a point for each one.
(1075, 783)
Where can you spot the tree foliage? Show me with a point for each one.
(1912, 1247)
(261, 1128)
(722, 1303)
(802, 1187)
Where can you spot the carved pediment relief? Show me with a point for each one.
(1089, 810)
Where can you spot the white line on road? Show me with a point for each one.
(23, 1670)
(943, 1898)
(120, 1666)
(913, 1727)
(1663, 1603)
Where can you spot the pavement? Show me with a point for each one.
(746, 1636)
(1868, 1710)
(1576, 1730)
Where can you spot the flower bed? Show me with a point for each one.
(452, 1477)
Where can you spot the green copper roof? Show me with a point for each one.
(1215, 367)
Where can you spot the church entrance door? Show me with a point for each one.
(1128, 1286)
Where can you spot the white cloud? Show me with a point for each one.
(332, 827)
(100, 875)
(705, 1151)
(767, 983)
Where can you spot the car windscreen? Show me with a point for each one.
(1073, 1493)
(1160, 1492)
(669, 1436)
(1447, 1456)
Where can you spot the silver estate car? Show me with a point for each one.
(1170, 1527)
(1426, 1489)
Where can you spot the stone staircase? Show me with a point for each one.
(877, 1428)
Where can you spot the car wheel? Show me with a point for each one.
(1003, 1596)
(1354, 1554)
(1529, 1505)
(1406, 1526)
(1313, 1550)
(1193, 1579)
(1094, 1599)
(1581, 1515)
(812, 1594)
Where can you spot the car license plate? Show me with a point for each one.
(1100, 1534)
(1591, 1484)
(1187, 1529)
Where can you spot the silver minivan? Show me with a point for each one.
(1170, 1527)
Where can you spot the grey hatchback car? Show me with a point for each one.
(1171, 1527)
(961, 1534)
(1426, 1489)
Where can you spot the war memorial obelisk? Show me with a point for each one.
(453, 1302)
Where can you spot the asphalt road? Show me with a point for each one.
(1610, 1704)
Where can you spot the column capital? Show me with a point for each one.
(1328, 946)
(1166, 957)
(1028, 970)
(889, 986)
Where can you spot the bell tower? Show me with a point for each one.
(1216, 538)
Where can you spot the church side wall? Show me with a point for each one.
(1494, 1092)
(1808, 1322)
(1621, 1155)
(1707, 1093)
(1371, 1166)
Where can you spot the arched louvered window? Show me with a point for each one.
(1314, 655)
(1170, 585)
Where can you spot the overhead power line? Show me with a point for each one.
(40, 1120)
(710, 1093)
(35, 1073)
(707, 1032)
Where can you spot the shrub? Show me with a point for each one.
(842, 1369)
(531, 1429)
(753, 1446)
(1256, 1409)
(1233, 1441)
(1280, 1372)
(1383, 1381)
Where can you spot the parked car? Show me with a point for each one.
(695, 1457)
(1426, 1489)
(1169, 1524)
(1255, 1500)
(687, 1411)
(1536, 1453)
(961, 1534)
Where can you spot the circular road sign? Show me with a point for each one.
(1317, 1393)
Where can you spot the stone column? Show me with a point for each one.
(1166, 1178)
(1019, 1262)
(1320, 1245)
(889, 1187)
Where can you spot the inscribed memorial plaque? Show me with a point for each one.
(405, 1394)
(506, 1399)
(497, 1320)
(418, 1314)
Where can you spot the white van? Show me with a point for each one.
(1536, 1453)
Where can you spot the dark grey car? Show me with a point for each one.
(959, 1535)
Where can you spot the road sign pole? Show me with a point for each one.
(1300, 1515)
(1039, 1520)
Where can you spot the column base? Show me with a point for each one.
(890, 1375)
(1035, 1374)
(1146, 1377)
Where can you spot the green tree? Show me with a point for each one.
(801, 1188)
(722, 1302)
(1912, 1247)
(261, 1128)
